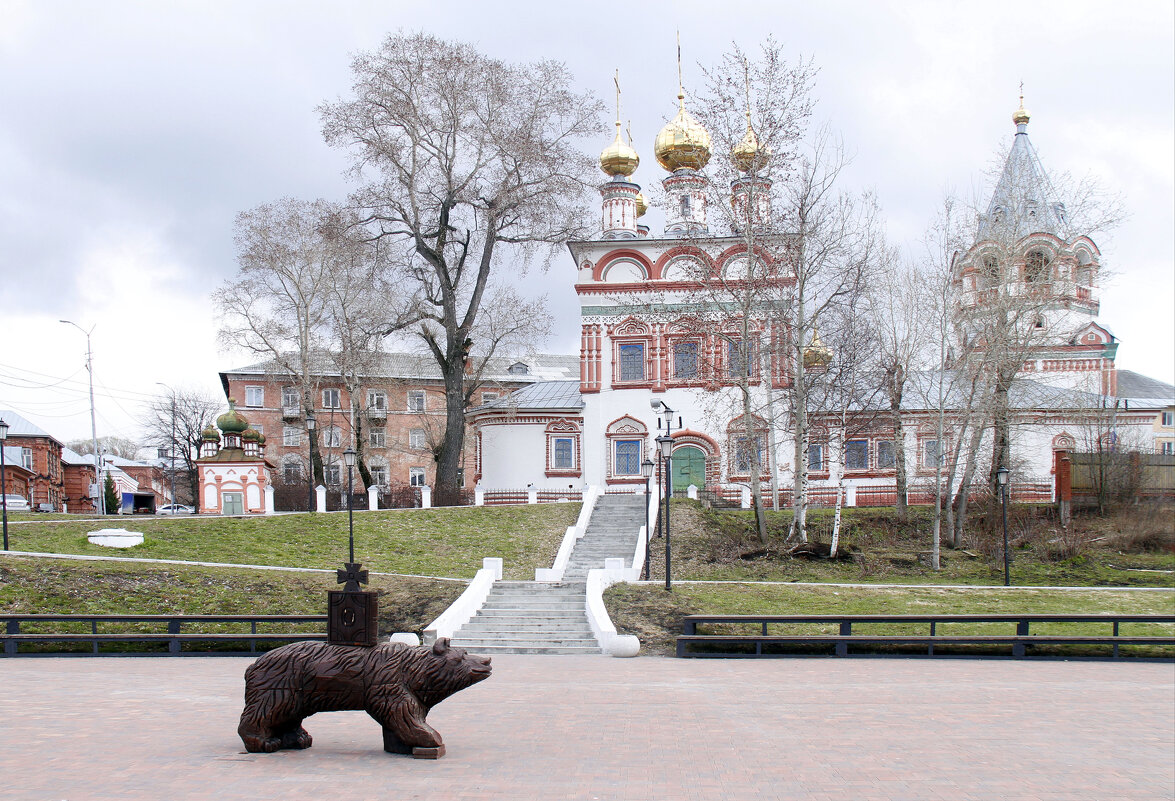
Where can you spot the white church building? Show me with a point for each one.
(637, 359)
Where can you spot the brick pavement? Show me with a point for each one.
(587, 728)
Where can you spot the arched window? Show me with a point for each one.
(1036, 267)
(989, 274)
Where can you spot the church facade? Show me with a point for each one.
(652, 362)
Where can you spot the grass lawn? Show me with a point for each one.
(54, 586)
(1134, 549)
(654, 615)
(448, 542)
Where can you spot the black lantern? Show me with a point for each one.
(1002, 477)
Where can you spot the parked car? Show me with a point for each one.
(175, 509)
(16, 503)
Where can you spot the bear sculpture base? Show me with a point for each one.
(396, 684)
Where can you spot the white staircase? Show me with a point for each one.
(531, 617)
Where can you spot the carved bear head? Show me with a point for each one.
(445, 670)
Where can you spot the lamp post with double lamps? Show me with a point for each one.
(310, 423)
(647, 472)
(1002, 476)
(4, 487)
(665, 446)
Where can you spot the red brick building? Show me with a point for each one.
(401, 420)
(79, 484)
(16, 476)
(40, 454)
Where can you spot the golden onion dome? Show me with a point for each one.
(1020, 116)
(619, 158)
(232, 421)
(817, 354)
(749, 155)
(683, 143)
(642, 205)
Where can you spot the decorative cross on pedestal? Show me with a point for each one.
(352, 577)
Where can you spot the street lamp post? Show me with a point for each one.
(310, 423)
(171, 449)
(3, 485)
(1002, 477)
(647, 472)
(349, 460)
(93, 419)
(665, 444)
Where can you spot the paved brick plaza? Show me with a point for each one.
(602, 728)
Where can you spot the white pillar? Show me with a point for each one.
(320, 497)
(372, 498)
(269, 507)
(493, 563)
(426, 497)
(746, 497)
(691, 492)
(851, 495)
(532, 495)
(479, 496)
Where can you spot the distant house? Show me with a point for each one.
(81, 487)
(17, 477)
(40, 455)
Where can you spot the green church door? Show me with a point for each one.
(689, 467)
(233, 504)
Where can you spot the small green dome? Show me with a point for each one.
(232, 421)
(250, 435)
(210, 434)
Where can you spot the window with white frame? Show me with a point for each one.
(332, 473)
(932, 455)
(627, 460)
(291, 436)
(857, 454)
(563, 453)
(291, 471)
(377, 399)
(1167, 448)
(332, 437)
(685, 360)
(632, 361)
(417, 439)
(886, 455)
(377, 438)
(289, 398)
(416, 400)
(330, 399)
(254, 396)
(379, 475)
(1168, 419)
(26, 458)
(816, 458)
(416, 476)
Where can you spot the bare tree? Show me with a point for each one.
(176, 423)
(276, 306)
(458, 154)
(116, 446)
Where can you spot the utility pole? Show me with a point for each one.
(93, 419)
(171, 446)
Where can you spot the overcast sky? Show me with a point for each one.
(131, 133)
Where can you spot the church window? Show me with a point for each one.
(1036, 267)
(816, 459)
(990, 275)
(632, 361)
(886, 455)
(628, 457)
(254, 396)
(685, 206)
(745, 451)
(932, 453)
(740, 358)
(685, 360)
(563, 456)
(857, 454)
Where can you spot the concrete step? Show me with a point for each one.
(532, 613)
(490, 650)
(485, 628)
(526, 642)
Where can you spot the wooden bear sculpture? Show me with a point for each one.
(396, 684)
